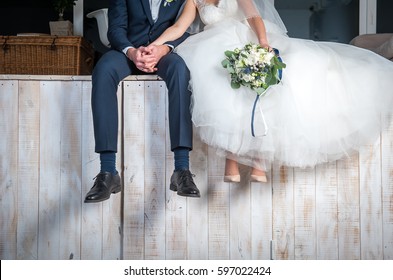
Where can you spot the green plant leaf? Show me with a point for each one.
(229, 53)
(235, 85)
(225, 63)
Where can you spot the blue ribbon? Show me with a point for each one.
(277, 53)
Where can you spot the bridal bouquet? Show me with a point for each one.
(253, 66)
(257, 68)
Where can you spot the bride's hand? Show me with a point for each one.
(266, 46)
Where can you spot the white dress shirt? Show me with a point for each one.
(155, 8)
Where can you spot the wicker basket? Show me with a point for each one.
(46, 55)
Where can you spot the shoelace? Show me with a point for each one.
(187, 176)
(99, 177)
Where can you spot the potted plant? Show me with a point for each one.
(62, 27)
(63, 5)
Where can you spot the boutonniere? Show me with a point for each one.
(168, 2)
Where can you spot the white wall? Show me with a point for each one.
(368, 16)
(78, 18)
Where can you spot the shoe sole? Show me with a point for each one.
(189, 195)
(231, 181)
(173, 188)
(258, 179)
(115, 190)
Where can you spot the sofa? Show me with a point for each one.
(381, 43)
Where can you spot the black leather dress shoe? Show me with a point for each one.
(105, 184)
(183, 184)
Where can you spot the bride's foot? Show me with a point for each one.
(258, 176)
(232, 178)
(231, 171)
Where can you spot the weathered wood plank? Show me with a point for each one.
(326, 211)
(370, 202)
(111, 230)
(387, 191)
(348, 208)
(239, 217)
(305, 231)
(155, 245)
(8, 168)
(92, 223)
(198, 208)
(176, 206)
(28, 169)
(219, 199)
(175, 222)
(261, 219)
(134, 170)
(71, 170)
(50, 175)
(283, 213)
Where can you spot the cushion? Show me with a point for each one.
(386, 49)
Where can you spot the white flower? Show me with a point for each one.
(247, 77)
(252, 59)
(268, 57)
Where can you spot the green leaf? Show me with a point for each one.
(280, 64)
(273, 80)
(225, 63)
(229, 53)
(259, 91)
(230, 69)
(268, 79)
(235, 85)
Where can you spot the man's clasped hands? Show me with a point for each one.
(147, 58)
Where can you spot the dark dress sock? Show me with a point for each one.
(108, 162)
(182, 158)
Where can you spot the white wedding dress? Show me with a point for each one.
(333, 97)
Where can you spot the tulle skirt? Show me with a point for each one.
(332, 99)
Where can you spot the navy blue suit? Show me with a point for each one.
(131, 24)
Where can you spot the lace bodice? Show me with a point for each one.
(210, 13)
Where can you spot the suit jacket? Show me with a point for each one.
(130, 22)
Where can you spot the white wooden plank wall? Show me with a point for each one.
(341, 210)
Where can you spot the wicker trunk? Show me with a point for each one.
(46, 55)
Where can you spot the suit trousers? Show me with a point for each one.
(110, 70)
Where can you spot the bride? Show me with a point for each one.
(332, 98)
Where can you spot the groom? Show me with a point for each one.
(133, 24)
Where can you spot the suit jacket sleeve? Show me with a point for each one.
(118, 25)
(178, 41)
